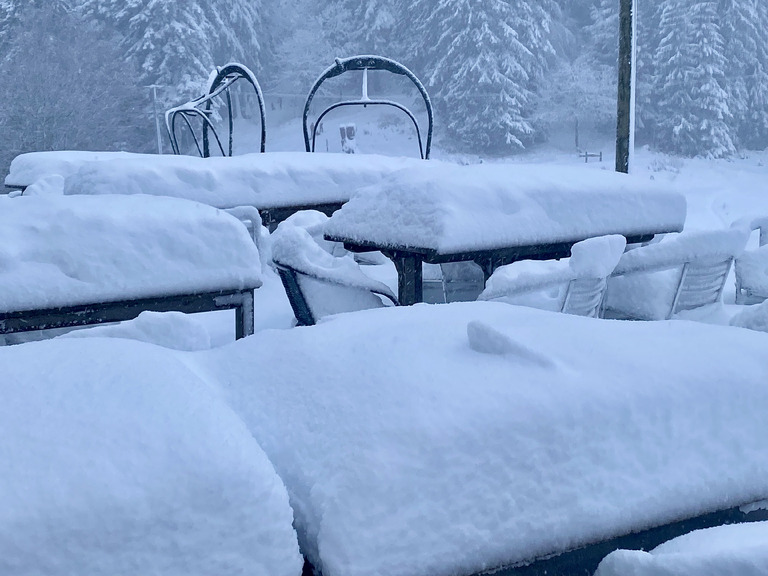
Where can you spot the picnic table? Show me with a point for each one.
(277, 184)
(497, 214)
(76, 261)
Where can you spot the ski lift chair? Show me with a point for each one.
(573, 286)
(319, 284)
(681, 272)
(751, 268)
(201, 109)
(365, 63)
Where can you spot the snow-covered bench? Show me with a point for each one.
(73, 261)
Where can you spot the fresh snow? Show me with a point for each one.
(59, 251)
(119, 457)
(451, 208)
(26, 169)
(444, 439)
(731, 550)
(270, 180)
(450, 439)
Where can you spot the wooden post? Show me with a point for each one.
(624, 99)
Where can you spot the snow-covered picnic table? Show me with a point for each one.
(276, 183)
(464, 437)
(496, 214)
(68, 261)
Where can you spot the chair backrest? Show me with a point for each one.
(581, 283)
(201, 109)
(313, 298)
(690, 269)
(584, 297)
(365, 63)
(700, 284)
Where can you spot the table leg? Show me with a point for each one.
(409, 288)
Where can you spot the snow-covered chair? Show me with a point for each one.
(751, 268)
(573, 286)
(319, 284)
(681, 272)
(220, 84)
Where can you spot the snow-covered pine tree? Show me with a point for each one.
(692, 106)
(178, 43)
(480, 61)
(744, 25)
(366, 27)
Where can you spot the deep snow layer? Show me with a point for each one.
(57, 251)
(119, 458)
(734, 550)
(449, 439)
(451, 208)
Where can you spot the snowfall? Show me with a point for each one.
(399, 441)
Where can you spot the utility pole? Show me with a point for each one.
(157, 119)
(625, 108)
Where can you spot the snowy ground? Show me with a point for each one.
(433, 439)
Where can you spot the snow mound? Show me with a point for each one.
(272, 180)
(59, 251)
(451, 208)
(732, 550)
(27, 169)
(119, 458)
(406, 451)
(172, 330)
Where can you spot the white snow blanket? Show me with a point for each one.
(27, 169)
(752, 269)
(451, 208)
(272, 180)
(62, 251)
(449, 439)
(117, 457)
(733, 550)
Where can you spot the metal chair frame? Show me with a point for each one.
(301, 307)
(365, 63)
(202, 108)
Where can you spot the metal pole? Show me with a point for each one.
(625, 87)
(157, 119)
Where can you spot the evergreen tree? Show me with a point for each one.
(480, 62)
(744, 26)
(693, 112)
(179, 43)
(65, 88)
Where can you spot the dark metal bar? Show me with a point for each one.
(624, 97)
(121, 310)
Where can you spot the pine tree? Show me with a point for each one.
(744, 26)
(179, 43)
(480, 61)
(64, 88)
(693, 113)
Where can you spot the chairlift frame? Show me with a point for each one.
(202, 108)
(365, 63)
